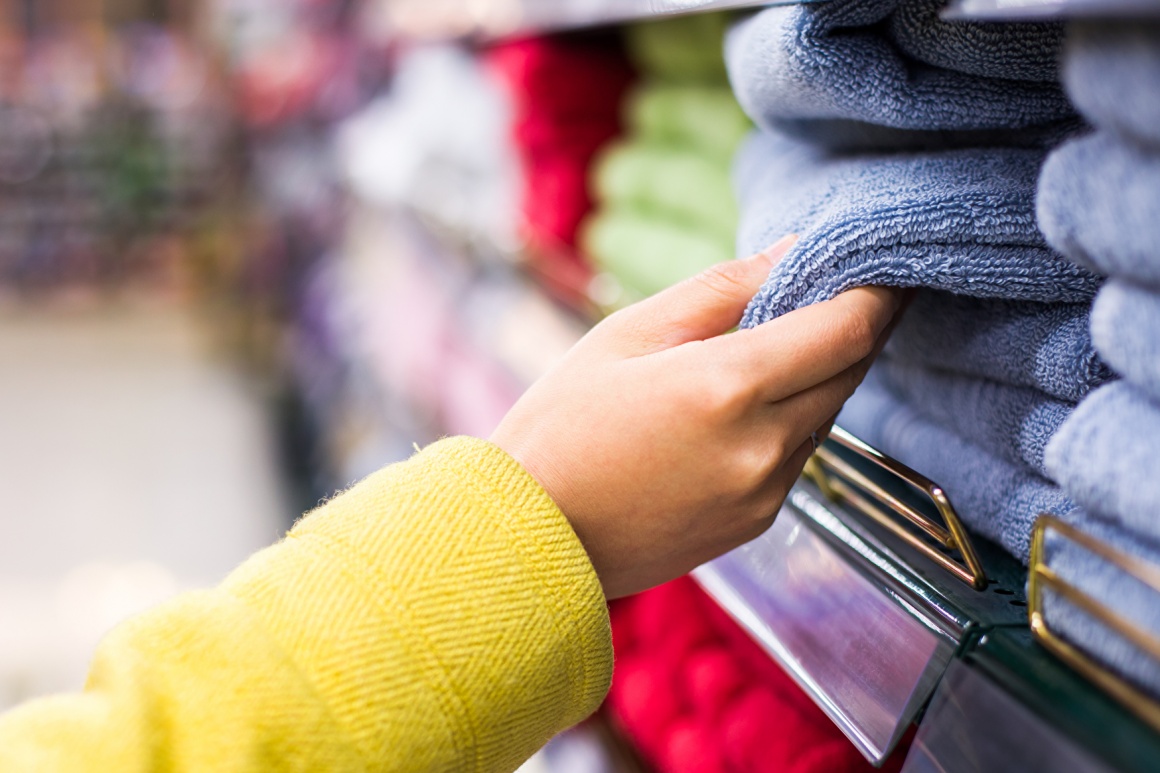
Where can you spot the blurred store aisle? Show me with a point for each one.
(133, 463)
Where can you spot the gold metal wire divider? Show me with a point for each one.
(1042, 577)
(841, 481)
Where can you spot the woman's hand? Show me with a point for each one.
(666, 442)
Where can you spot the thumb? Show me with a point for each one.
(706, 305)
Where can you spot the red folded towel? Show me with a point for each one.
(567, 92)
(695, 693)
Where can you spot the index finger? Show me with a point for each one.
(810, 345)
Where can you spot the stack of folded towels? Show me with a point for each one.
(1099, 202)
(665, 206)
(904, 151)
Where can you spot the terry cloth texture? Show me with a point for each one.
(1116, 590)
(1111, 70)
(1126, 329)
(1098, 202)
(440, 615)
(998, 499)
(1045, 346)
(666, 207)
(891, 74)
(1105, 457)
(960, 221)
(1014, 423)
(697, 695)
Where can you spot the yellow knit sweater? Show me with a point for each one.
(440, 615)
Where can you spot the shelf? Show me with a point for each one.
(1011, 705)
(1050, 10)
(490, 19)
(864, 624)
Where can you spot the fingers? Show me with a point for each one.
(811, 345)
(704, 306)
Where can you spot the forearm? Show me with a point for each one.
(439, 615)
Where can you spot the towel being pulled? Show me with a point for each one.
(1111, 70)
(1011, 422)
(1098, 202)
(998, 499)
(1126, 330)
(959, 221)
(1105, 457)
(835, 70)
(1117, 591)
(1045, 346)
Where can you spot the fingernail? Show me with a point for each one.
(772, 254)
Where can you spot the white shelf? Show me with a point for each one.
(442, 19)
(1050, 10)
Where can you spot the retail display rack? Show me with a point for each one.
(431, 19)
(867, 590)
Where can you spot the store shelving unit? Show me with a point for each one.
(867, 613)
(443, 19)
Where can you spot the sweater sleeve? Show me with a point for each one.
(440, 615)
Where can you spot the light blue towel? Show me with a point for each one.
(1046, 346)
(1099, 204)
(960, 221)
(1011, 422)
(1116, 590)
(1126, 330)
(822, 69)
(998, 499)
(1112, 72)
(1106, 456)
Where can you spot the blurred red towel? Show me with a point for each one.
(567, 92)
(695, 693)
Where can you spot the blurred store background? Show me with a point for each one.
(251, 250)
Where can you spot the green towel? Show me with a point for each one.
(668, 183)
(647, 254)
(665, 204)
(704, 118)
(688, 49)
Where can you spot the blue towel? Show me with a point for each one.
(1107, 454)
(1126, 330)
(1112, 72)
(1099, 204)
(1045, 346)
(1118, 592)
(960, 221)
(1011, 422)
(823, 69)
(995, 498)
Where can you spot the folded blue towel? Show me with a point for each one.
(1111, 70)
(1011, 422)
(1098, 202)
(1106, 455)
(1117, 591)
(998, 499)
(959, 221)
(1046, 346)
(825, 67)
(1126, 330)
